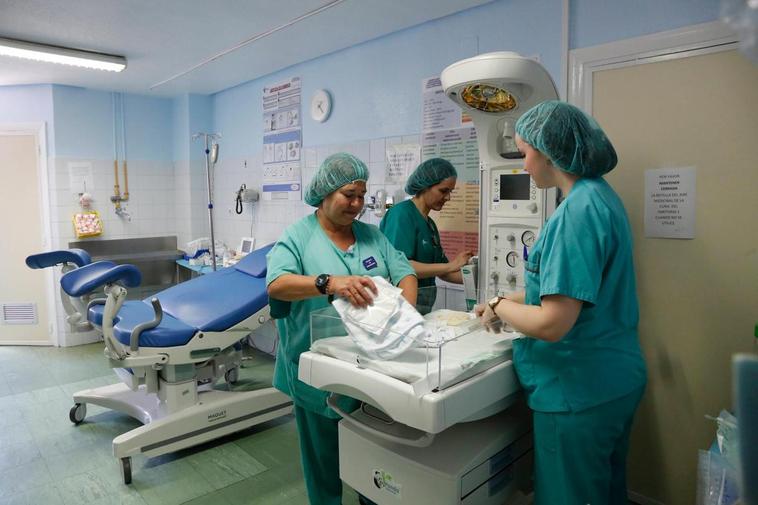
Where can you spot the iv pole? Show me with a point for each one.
(211, 155)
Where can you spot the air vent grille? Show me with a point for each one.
(19, 313)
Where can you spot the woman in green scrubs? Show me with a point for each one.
(410, 229)
(580, 364)
(328, 253)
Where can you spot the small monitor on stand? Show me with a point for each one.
(247, 244)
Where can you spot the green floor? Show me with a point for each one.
(46, 460)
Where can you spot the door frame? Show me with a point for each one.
(669, 45)
(39, 132)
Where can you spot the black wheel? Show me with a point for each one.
(231, 376)
(126, 470)
(77, 413)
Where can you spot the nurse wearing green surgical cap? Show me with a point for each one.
(411, 230)
(581, 365)
(328, 253)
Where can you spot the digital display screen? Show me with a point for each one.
(514, 187)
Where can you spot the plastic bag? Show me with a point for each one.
(742, 16)
(717, 480)
(726, 436)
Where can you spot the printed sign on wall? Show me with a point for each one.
(282, 140)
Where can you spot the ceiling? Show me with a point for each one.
(165, 40)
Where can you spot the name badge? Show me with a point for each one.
(369, 263)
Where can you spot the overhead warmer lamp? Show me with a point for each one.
(495, 89)
(63, 55)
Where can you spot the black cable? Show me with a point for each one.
(238, 207)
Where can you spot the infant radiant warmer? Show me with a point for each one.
(434, 426)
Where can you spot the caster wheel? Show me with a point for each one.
(231, 376)
(77, 413)
(126, 470)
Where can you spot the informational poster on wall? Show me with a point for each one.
(401, 160)
(670, 203)
(449, 133)
(80, 176)
(282, 141)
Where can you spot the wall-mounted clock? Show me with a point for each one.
(321, 105)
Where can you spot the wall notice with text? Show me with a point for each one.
(670, 203)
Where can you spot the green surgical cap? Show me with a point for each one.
(570, 138)
(431, 172)
(336, 171)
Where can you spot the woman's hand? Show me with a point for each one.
(354, 288)
(461, 259)
(489, 319)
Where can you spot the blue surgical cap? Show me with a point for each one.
(427, 174)
(572, 140)
(336, 171)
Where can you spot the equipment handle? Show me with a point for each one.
(134, 337)
(416, 438)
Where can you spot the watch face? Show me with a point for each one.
(493, 301)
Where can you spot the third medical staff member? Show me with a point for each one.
(328, 253)
(580, 364)
(410, 229)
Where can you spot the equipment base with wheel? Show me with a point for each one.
(217, 413)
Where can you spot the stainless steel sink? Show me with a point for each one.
(155, 257)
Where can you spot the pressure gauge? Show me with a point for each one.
(527, 238)
(512, 259)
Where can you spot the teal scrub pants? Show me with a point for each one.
(319, 454)
(580, 457)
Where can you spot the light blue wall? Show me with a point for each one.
(84, 125)
(594, 22)
(191, 114)
(29, 104)
(377, 85)
(180, 127)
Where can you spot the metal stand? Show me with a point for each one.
(211, 155)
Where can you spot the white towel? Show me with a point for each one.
(386, 328)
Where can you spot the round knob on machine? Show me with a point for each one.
(510, 237)
(261, 319)
(532, 207)
(494, 276)
(511, 278)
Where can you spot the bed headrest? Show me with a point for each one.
(255, 263)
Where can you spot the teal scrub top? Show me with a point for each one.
(417, 237)
(305, 249)
(584, 252)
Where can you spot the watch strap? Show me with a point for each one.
(496, 303)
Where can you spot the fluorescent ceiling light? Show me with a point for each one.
(64, 55)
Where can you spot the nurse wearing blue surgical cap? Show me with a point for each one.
(328, 253)
(411, 230)
(581, 365)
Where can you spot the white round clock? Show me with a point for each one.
(321, 105)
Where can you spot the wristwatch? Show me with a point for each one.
(322, 281)
(493, 302)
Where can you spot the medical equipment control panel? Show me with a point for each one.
(513, 193)
(516, 210)
(509, 245)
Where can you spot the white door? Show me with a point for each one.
(698, 298)
(23, 292)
